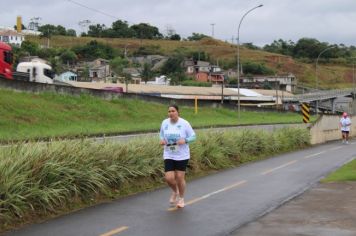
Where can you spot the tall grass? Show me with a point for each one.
(40, 179)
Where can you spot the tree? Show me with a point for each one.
(173, 69)
(31, 47)
(250, 46)
(197, 37)
(256, 69)
(22, 27)
(93, 50)
(199, 56)
(175, 37)
(173, 65)
(48, 52)
(85, 73)
(146, 72)
(71, 32)
(47, 30)
(127, 79)
(281, 46)
(121, 29)
(118, 64)
(96, 30)
(68, 57)
(56, 64)
(146, 31)
(60, 30)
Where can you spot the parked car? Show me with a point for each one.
(114, 89)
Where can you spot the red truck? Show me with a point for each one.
(6, 60)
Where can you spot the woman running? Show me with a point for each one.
(176, 133)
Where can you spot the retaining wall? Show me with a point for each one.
(326, 128)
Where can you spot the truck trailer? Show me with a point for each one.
(6, 59)
(35, 71)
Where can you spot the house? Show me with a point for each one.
(204, 72)
(11, 37)
(135, 74)
(99, 69)
(231, 73)
(67, 76)
(286, 82)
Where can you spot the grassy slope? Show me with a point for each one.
(345, 173)
(28, 116)
(329, 76)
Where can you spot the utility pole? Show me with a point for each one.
(212, 29)
(48, 38)
(84, 25)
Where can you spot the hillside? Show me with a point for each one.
(329, 75)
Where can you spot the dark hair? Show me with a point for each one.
(175, 107)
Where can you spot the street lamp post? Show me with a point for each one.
(353, 76)
(238, 59)
(316, 75)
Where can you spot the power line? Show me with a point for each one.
(93, 9)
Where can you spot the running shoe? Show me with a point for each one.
(173, 198)
(180, 202)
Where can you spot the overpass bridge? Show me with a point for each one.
(336, 100)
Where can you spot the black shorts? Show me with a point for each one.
(345, 132)
(172, 165)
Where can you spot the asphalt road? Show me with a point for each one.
(216, 205)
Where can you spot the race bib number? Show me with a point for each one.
(173, 148)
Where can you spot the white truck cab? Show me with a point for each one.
(38, 71)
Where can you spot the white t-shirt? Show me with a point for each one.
(172, 133)
(345, 124)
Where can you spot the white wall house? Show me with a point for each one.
(11, 37)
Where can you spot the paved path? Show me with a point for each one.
(216, 205)
(327, 209)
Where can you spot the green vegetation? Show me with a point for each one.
(345, 173)
(26, 116)
(309, 48)
(40, 180)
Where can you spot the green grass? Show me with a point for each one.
(345, 173)
(27, 116)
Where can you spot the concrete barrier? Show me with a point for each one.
(32, 87)
(326, 128)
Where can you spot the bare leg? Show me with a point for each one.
(180, 180)
(171, 180)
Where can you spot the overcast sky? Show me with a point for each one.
(331, 21)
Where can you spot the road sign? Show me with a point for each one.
(306, 112)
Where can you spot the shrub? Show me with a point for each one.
(195, 83)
